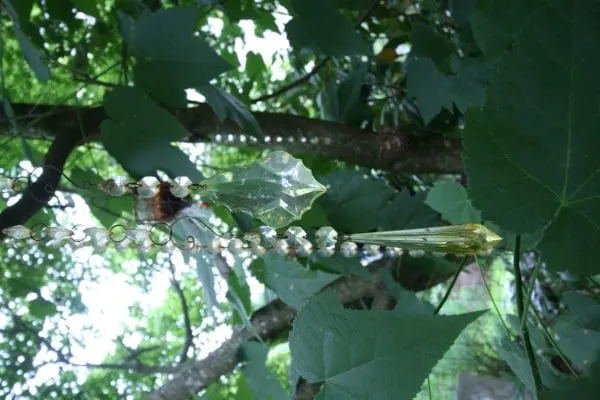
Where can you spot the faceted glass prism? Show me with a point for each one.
(277, 190)
(466, 239)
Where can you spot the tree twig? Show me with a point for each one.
(189, 335)
(449, 290)
(316, 68)
(537, 380)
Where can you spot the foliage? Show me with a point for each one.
(413, 114)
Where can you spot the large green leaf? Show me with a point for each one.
(42, 308)
(33, 56)
(587, 387)
(585, 309)
(292, 282)
(139, 135)
(319, 26)
(170, 57)
(452, 201)
(434, 90)
(532, 152)
(358, 204)
(226, 105)
(369, 354)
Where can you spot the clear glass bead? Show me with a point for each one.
(145, 245)
(438, 254)
(303, 248)
(216, 245)
(235, 246)
(58, 233)
(416, 253)
(349, 249)
(268, 236)
(116, 186)
(99, 242)
(371, 249)
(326, 236)
(326, 251)
(180, 187)
(257, 250)
(393, 251)
(148, 187)
(252, 237)
(282, 247)
(138, 235)
(6, 184)
(123, 245)
(295, 234)
(17, 232)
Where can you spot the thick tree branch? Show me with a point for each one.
(395, 152)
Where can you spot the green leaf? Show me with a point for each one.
(170, 57)
(531, 153)
(319, 26)
(585, 309)
(42, 308)
(452, 201)
(587, 387)
(340, 265)
(262, 381)
(238, 294)
(406, 301)
(428, 43)
(516, 358)
(434, 90)
(360, 353)
(292, 282)
(225, 105)
(139, 133)
(33, 56)
(577, 343)
(342, 102)
(358, 204)
(89, 7)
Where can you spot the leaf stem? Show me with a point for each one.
(534, 276)
(489, 292)
(454, 279)
(520, 307)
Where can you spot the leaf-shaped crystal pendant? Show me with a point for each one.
(277, 190)
(467, 239)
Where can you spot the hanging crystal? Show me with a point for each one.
(282, 247)
(303, 248)
(6, 184)
(467, 239)
(180, 187)
(99, 237)
(326, 236)
(257, 250)
(326, 251)
(116, 186)
(58, 233)
(123, 245)
(235, 246)
(371, 250)
(416, 253)
(17, 232)
(349, 249)
(138, 235)
(393, 251)
(268, 236)
(295, 235)
(148, 187)
(277, 190)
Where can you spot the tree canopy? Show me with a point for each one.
(413, 114)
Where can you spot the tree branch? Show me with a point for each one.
(317, 67)
(268, 322)
(189, 336)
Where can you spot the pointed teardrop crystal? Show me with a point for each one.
(326, 251)
(277, 190)
(148, 187)
(281, 247)
(17, 232)
(116, 186)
